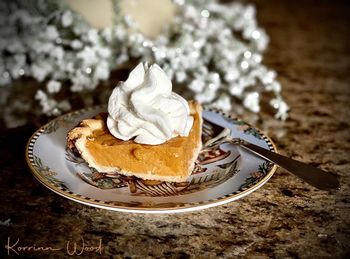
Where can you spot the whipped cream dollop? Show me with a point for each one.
(145, 109)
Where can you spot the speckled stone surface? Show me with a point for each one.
(286, 218)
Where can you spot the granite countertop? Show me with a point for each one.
(286, 218)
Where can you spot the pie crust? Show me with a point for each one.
(171, 161)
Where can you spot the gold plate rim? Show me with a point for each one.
(106, 205)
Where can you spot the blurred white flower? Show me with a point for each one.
(274, 86)
(231, 75)
(69, 67)
(88, 56)
(282, 112)
(67, 18)
(213, 49)
(39, 73)
(41, 47)
(103, 52)
(40, 95)
(51, 32)
(180, 76)
(251, 101)
(101, 71)
(81, 81)
(64, 105)
(107, 34)
(48, 105)
(93, 36)
(268, 77)
(57, 52)
(223, 102)
(281, 107)
(5, 78)
(76, 44)
(120, 32)
(206, 96)
(235, 90)
(197, 85)
(53, 86)
(15, 46)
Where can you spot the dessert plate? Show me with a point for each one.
(221, 175)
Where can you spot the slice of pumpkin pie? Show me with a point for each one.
(171, 161)
(149, 131)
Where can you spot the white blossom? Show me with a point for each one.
(48, 104)
(76, 44)
(197, 85)
(235, 90)
(251, 101)
(223, 102)
(69, 67)
(120, 32)
(64, 105)
(101, 71)
(180, 76)
(268, 77)
(51, 32)
(67, 18)
(15, 46)
(281, 107)
(107, 34)
(231, 75)
(5, 79)
(103, 52)
(274, 86)
(39, 73)
(57, 52)
(88, 56)
(93, 36)
(53, 86)
(199, 49)
(206, 96)
(81, 81)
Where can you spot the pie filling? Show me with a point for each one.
(172, 158)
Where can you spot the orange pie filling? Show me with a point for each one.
(171, 158)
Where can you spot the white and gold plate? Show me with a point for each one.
(220, 176)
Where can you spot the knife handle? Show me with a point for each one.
(312, 175)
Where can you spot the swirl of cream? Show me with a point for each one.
(145, 109)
